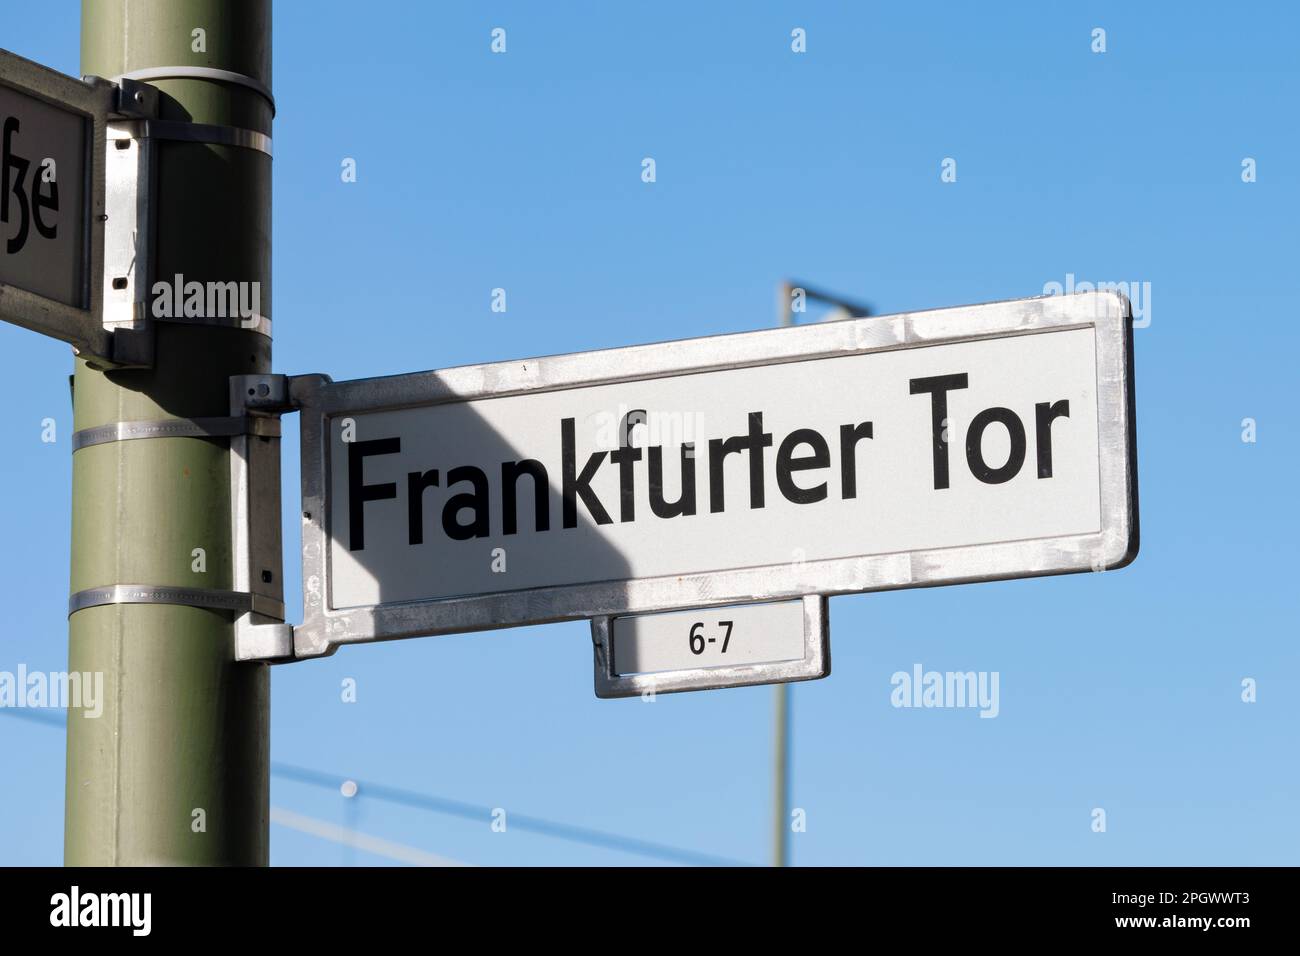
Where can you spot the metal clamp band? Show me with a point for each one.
(209, 598)
(206, 133)
(201, 73)
(178, 428)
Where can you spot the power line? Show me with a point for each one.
(468, 811)
(471, 811)
(360, 841)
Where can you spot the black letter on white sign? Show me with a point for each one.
(975, 446)
(359, 492)
(938, 387)
(1045, 413)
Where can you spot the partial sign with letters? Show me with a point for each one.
(967, 444)
(52, 205)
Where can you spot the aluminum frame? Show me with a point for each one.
(319, 399)
(257, 549)
(95, 99)
(815, 665)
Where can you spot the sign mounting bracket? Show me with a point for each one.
(255, 515)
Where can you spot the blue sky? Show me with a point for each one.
(522, 171)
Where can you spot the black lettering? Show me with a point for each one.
(511, 471)
(754, 443)
(11, 162)
(938, 387)
(416, 483)
(625, 456)
(41, 201)
(1044, 413)
(850, 435)
(359, 492)
(787, 464)
(685, 503)
(975, 445)
(476, 501)
(580, 486)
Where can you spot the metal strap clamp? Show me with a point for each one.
(209, 598)
(201, 73)
(220, 427)
(186, 132)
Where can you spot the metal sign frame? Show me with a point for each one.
(319, 399)
(816, 661)
(95, 99)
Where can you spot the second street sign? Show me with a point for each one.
(52, 201)
(957, 445)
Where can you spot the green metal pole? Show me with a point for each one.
(781, 797)
(175, 770)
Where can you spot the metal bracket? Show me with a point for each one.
(135, 100)
(255, 515)
(130, 174)
(129, 177)
(257, 597)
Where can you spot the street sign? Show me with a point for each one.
(967, 444)
(52, 201)
(708, 648)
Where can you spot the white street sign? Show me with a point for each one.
(52, 130)
(708, 648)
(964, 444)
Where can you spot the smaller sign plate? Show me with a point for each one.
(709, 648)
